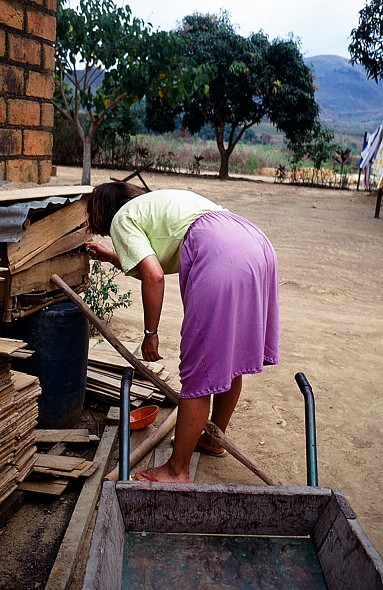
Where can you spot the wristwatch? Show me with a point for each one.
(150, 332)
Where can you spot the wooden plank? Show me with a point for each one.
(71, 544)
(85, 470)
(102, 357)
(75, 435)
(348, 558)
(23, 380)
(113, 417)
(54, 487)
(104, 567)
(221, 509)
(43, 192)
(37, 278)
(44, 233)
(60, 462)
(65, 244)
(10, 345)
(10, 506)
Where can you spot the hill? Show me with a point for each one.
(350, 103)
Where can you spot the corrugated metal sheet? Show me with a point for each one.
(12, 217)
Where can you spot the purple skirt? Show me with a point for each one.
(229, 287)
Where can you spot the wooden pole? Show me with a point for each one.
(210, 428)
(378, 203)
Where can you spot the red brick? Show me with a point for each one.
(45, 171)
(12, 14)
(10, 142)
(41, 25)
(40, 85)
(51, 5)
(11, 79)
(24, 50)
(2, 43)
(23, 171)
(25, 113)
(3, 111)
(49, 58)
(47, 114)
(37, 143)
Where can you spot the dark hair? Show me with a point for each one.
(106, 199)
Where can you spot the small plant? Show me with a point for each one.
(102, 294)
(342, 159)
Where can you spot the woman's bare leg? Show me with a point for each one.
(191, 420)
(223, 408)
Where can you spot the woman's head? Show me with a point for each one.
(105, 200)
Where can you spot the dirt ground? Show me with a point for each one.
(330, 255)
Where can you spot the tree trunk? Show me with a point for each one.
(224, 167)
(223, 152)
(86, 159)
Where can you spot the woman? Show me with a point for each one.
(228, 280)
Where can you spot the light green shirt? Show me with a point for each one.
(156, 223)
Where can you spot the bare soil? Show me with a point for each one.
(330, 255)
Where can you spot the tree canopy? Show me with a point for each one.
(366, 47)
(249, 79)
(104, 57)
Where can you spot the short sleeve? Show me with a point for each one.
(130, 243)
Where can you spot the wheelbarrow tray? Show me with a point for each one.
(230, 536)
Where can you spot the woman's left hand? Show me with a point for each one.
(149, 348)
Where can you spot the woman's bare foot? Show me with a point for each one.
(207, 446)
(163, 473)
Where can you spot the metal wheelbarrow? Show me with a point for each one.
(201, 536)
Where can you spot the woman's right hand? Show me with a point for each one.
(100, 252)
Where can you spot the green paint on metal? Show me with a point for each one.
(161, 561)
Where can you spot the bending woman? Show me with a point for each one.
(228, 277)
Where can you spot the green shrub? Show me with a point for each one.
(102, 295)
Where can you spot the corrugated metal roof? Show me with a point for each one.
(12, 217)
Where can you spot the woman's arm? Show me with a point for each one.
(152, 291)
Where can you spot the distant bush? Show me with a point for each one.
(179, 152)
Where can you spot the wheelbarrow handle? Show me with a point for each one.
(124, 434)
(311, 445)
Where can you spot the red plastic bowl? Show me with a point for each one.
(142, 417)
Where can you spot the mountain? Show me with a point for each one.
(350, 103)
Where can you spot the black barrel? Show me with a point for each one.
(59, 335)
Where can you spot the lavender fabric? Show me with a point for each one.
(229, 287)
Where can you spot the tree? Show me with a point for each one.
(322, 145)
(250, 78)
(91, 44)
(107, 57)
(366, 47)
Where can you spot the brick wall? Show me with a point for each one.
(27, 32)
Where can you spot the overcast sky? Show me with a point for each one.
(324, 26)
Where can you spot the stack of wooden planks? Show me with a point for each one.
(18, 418)
(53, 470)
(51, 242)
(105, 368)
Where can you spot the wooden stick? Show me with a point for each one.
(210, 428)
(147, 445)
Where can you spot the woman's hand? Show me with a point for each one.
(101, 253)
(149, 348)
